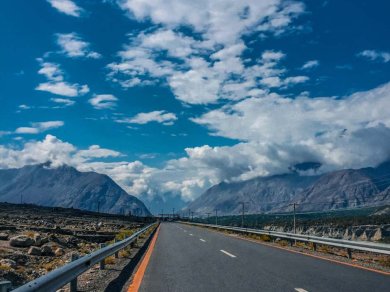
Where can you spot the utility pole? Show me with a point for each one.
(208, 215)
(295, 229)
(173, 213)
(216, 216)
(192, 216)
(243, 214)
(189, 214)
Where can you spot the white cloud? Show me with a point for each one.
(352, 131)
(63, 88)
(66, 6)
(161, 117)
(39, 127)
(220, 21)
(202, 63)
(348, 132)
(56, 83)
(63, 101)
(95, 151)
(310, 64)
(374, 55)
(24, 107)
(74, 47)
(103, 101)
(27, 130)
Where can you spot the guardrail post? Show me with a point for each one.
(349, 253)
(5, 286)
(117, 253)
(102, 262)
(73, 283)
(314, 246)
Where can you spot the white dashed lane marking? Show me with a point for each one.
(228, 253)
(202, 240)
(300, 290)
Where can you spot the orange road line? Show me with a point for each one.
(310, 255)
(139, 275)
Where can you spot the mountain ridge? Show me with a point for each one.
(346, 188)
(65, 186)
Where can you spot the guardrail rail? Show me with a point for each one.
(68, 273)
(350, 245)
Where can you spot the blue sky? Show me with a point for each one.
(171, 97)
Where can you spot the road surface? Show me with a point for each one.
(189, 258)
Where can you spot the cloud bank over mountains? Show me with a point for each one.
(350, 132)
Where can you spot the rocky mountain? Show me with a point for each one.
(65, 186)
(349, 188)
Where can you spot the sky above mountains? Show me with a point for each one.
(170, 97)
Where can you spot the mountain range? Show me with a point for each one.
(347, 188)
(65, 186)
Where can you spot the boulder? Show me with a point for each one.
(3, 236)
(21, 241)
(59, 252)
(37, 239)
(34, 251)
(47, 250)
(8, 263)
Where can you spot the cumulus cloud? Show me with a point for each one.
(203, 63)
(73, 46)
(161, 117)
(40, 127)
(66, 6)
(374, 55)
(56, 83)
(333, 131)
(103, 101)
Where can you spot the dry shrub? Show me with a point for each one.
(123, 233)
(5, 268)
(385, 262)
(30, 234)
(109, 260)
(124, 253)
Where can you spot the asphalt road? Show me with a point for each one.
(188, 258)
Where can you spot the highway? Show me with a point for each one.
(188, 258)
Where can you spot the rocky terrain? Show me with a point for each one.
(67, 187)
(35, 240)
(349, 188)
(366, 224)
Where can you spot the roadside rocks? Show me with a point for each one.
(59, 252)
(3, 236)
(37, 239)
(8, 263)
(34, 251)
(21, 241)
(47, 250)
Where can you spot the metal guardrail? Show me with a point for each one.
(380, 248)
(69, 272)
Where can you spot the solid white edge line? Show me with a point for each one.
(228, 253)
